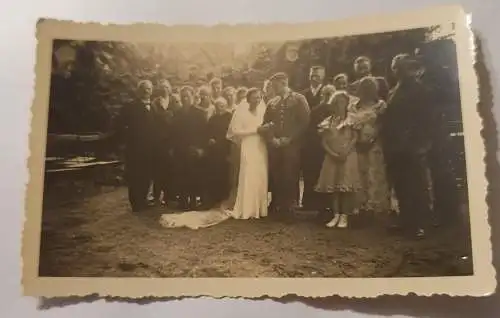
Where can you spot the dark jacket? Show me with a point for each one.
(191, 130)
(312, 100)
(164, 122)
(217, 128)
(410, 119)
(137, 130)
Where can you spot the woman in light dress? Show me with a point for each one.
(252, 191)
(251, 198)
(339, 174)
(375, 195)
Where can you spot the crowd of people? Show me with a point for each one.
(360, 147)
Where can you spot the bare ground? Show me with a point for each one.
(98, 236)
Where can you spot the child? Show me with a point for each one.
(339, 174)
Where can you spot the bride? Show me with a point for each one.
(251, 198)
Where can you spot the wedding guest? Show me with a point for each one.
(174, 184)
(313, 97)
(285, 121)
(241, 95)
(406, 140)
(341, 81)
(313, 152)
(136, 127)
(215, 86)
(229, 93)
(362, 68)
(218, 152)
(164, 110)
(444, 87)
(316, 78)
(205, 101)
(339, 174)
(190, 142)
(176, 102)
(374, 197)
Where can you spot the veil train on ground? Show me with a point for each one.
(252, 192)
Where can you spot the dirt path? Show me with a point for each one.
(99, 236)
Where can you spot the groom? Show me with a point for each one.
(285, 121)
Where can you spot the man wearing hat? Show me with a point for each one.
(285, 121)
(406, 134)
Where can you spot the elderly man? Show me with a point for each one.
(406, 134)
(285, 121)
(363, 68)
(136, 127)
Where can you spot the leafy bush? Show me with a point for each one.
(88, 89)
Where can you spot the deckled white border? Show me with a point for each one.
(481, 283)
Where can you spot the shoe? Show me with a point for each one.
(420, 234)
(334, 221)
(343, 221)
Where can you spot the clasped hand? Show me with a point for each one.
(280, 142)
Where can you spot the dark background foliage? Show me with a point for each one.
(88, 90)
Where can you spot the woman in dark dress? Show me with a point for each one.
(189, 149)
(218, 152)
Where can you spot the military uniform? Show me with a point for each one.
(289, 115)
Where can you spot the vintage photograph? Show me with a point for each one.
(338, 156)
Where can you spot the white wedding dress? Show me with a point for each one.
(252, 194)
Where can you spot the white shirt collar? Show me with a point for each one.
(147, 104)
(164, 102)
(315, 90)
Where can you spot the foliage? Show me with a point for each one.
(88, 90)
(338, 54)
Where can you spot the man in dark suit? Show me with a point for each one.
(311, 160)
(136, 127)
(316, 78)
(190, 146)
(285, 121)
(163, 109)
(406, 132)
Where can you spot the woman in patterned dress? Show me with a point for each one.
(375, 195)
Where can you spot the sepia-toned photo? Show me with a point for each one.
(164, 159)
